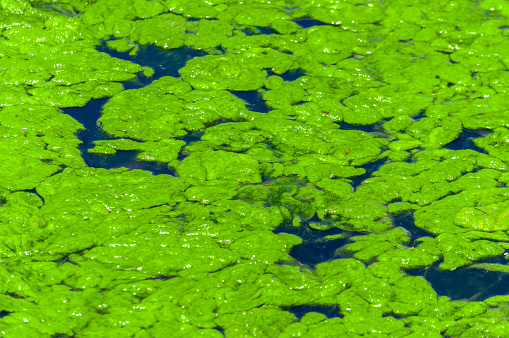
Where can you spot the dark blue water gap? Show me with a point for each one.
(164, 63)
(34, 191)
(314, 248)
(330, 311)
(406, 220)
(466, 140)
(195, 136)
(370, 168)
(257, 30)
(307, 22)
(254, 100)
(421, 115)
(466, 282)
(88, 116)
(290, 75)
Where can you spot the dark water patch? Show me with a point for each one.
(315, 248)
(406, 220)
(370, 168)
(88, 116)
(195, 136)
(466, 282)
(466, 140)
(330, 311)
(127, 159)
(289, 76)
(164, 63)
(254, 100)
(4, 313)
(421, 115)
(307, 22)
(66, 259)
(257, 30)
(161, 278)
(192, 136)
(369, 128)
(34, 191)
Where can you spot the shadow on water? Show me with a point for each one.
(330, 311)
(475, 284)
(315, 248)
(466, 140)
(307, 22)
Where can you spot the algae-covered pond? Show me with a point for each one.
(254, 168)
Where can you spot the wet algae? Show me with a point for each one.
(373, 152)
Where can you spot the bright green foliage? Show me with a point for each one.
(370, 246)
(96, 252)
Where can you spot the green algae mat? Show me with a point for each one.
(400, 109)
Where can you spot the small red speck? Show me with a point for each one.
(347, 151)
(325, 112)
(267, 184)
(413, 248)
